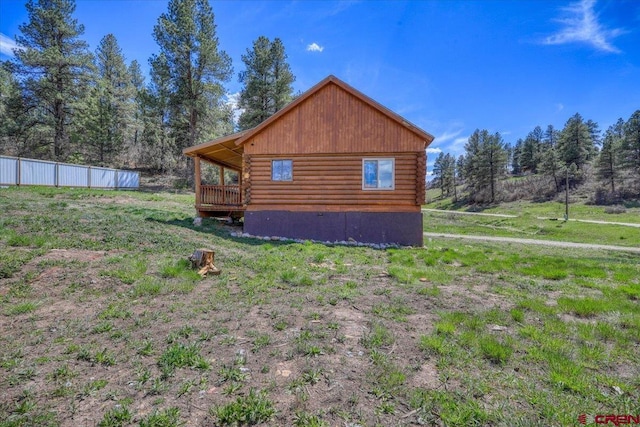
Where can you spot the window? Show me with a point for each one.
(281, 170)
(378, 174)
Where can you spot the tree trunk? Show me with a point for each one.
(202, 259)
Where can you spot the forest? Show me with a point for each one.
(544, 163)
(59, 101)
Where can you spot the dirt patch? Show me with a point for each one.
(71, 255)
(426, 377)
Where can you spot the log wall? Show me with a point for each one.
(333, 183)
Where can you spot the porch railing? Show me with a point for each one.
(221, 195)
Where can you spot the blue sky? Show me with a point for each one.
(447, 66)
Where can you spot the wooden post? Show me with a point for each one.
(566, 197)
(198, 179)
(224, 201)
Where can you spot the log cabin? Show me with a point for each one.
(333, 165)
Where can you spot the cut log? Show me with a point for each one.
(203, 259)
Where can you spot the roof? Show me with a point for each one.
(221, 150)
(228, 150)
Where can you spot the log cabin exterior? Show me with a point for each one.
(331, 165)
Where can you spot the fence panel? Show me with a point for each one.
(37, 172)
(103, 178)
(128, 179)
(8, 171)
(72, 176)
(18, 171)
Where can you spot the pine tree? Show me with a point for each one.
(531, 147)
(551, 165)
(575, 143)
(267, 82)
(55, 64)
(607, 165)
(516, 155)
(438, 171)
(460, 167)
(449, 174)
(195, 68)
(631, 144)
(157, 146)
(111, 101)
(137, 123)
(486, 163)
(550, 137)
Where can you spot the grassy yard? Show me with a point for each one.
(532, 220)
(103, 323)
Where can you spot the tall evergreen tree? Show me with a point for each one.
(530, 155)
(111, 101)
(55, 65)
(575, 144)
(438, 171)
(551, 165)
(594, 133)
(486, 163)
(550, 137)
(631, 143)
(267, 82)
(516, 155)
(195, 67)
(157, 146)
(137, 123)
(460, 167)
(607, 165)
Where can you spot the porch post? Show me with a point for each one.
(198, 178)
(224, 195)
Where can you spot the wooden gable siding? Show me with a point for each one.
(333, 182)
(333, 121)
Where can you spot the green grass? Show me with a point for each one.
(527, 225)
(457, 333)
(180, 355)
(245, 410)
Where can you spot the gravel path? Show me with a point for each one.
(535, 242)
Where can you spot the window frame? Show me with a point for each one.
(273, 162)
(393, 173)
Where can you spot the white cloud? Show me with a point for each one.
(447, 136)
(232, 101)
(434, 150)
(582, 26)
(315, 47)
(7, 44)
(457, 146)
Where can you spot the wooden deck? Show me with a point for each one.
(220, 199)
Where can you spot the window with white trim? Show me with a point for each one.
(281, 170)
(378, 174)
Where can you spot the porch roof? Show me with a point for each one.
(222, 151)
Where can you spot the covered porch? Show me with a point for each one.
(226, 197)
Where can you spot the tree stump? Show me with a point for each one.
(202, 259)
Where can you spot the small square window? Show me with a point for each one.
(378, 174)
(282, 170)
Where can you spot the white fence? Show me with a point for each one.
(18, 171)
